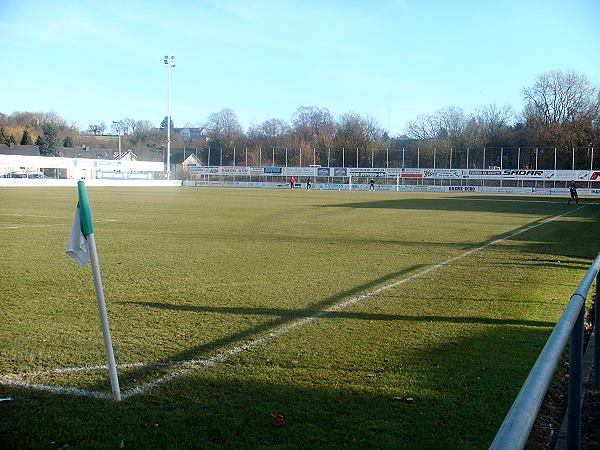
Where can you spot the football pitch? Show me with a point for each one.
(364, 319)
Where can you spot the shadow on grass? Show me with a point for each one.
(574, 235)
(297, 314)
(460, 390)
(548, 263)
(479, 203)
(207, 348)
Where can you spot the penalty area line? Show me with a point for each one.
(193, 365)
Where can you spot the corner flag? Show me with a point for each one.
(77, 247)
(82, 248)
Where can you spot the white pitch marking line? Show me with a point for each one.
(58, 389)
(40, 373)
(33, 215)
(16, 227)
(189, 366)
(42, 225)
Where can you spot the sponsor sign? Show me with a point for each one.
(482, 174)
(299, 171)
(583, 176)
(541, 191)
(234, 170)
(420, 188)
(336, 186)
(462, 188)
(568, 175)
(106, 175)
(272, 170)
(435, 188)
(256, 171)
(323, 171)
(340, 172)
(404, 173)
(204, 170)
(517, 174)
(110, 175)
(560, 175)
(442, 173)
(366, 172)
(595, 191)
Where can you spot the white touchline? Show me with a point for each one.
(16, 379)
(44, 225)
(33, 215)
(15, 227)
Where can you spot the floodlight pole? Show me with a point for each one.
(169, 62)
(119, 135)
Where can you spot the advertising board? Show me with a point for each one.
(442, 173)
(482, 174)
(462, 189)
(323, 171)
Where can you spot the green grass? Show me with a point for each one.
(189, 273)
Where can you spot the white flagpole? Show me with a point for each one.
(110, 357)
(88, 231)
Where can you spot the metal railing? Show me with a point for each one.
(515, 429)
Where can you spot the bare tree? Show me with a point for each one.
(354, 131)
(97, 129)
(561, 109)
(119, 127)
(313, 125)
(445, 127)
(273, 128)
(491, 123)
(558, 97)
(423, 127)
(224, 126)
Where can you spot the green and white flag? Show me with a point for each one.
(81, 228)
(77, 247)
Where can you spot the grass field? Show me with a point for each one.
(208, 290)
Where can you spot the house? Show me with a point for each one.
(181, 162)
(20, 150)
(126, 156)
(189, 134)
(86, 152)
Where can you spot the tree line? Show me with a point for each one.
(560, 109)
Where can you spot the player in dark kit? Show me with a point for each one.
(372, 184)
(573, 191)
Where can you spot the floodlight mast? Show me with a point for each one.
(169, 62)
(118, 127)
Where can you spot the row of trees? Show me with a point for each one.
(48, 142)
(560, 109)
(47, 130)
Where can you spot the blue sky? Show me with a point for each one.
(99, 61)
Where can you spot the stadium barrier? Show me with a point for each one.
(389, 187)
(515, 429)
(51, 182)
